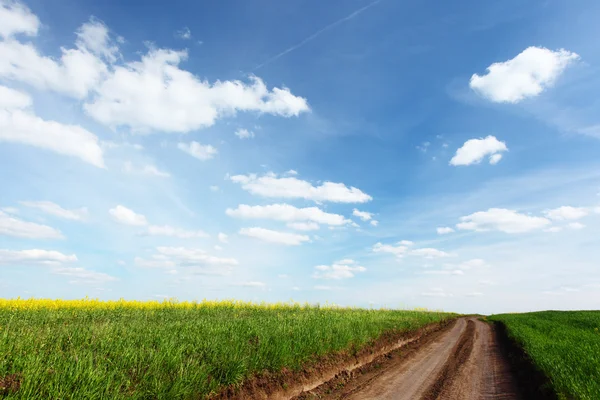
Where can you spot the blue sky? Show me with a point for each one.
(384, 153)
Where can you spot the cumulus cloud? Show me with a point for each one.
(11, 99)
(553, 229)
(94, 36)
(444, 230)
(287, 213)
(429, 253)
(403, 248)
(303, 226)
(399, 250)
(35, 256)
(270, 185)
(244, 133)
(200, 151)
(166, 230)
(365, 216)
(15, 17)
(576, 225)
(566, 213)
(374, 222)
(18, 125)
(11, 226)
(474, 150)
(81, 275)
(473, 263)
(154, 94)
(267, 235)
(223, 238)
(51, 208)
(501, 219)
(126, 216)
(147, 170)
(342, 269)
(74, 74)
(191, 260)
(526, 75)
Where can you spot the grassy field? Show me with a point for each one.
(166, 350)
(564, 345)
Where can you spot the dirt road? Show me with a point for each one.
(463, 362)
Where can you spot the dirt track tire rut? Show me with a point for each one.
(462, 363)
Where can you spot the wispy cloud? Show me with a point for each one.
(318, 33)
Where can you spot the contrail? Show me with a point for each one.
(314, 35)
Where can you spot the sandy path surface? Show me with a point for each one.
(462, 363)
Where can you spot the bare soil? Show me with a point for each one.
(461, 362)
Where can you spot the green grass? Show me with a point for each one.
(564, 345)
(173, 352)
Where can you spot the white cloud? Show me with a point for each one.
(11, 99)
(197, 150)
(126, 216)
(500, 219)
(82, 275)
(303, 226)
(444, 230)
(184, 34)
(195, 261)
(15, 17)
(429, 253)
(576, 225)
(254, 284)
(365, 216)
(154, 94)
(526, 75)
(166, 230)
(35, 256)
(566, 213)
(244, 133)
(51, 208)
(495, 158)
(148, 170)
(76, 72)
(374, 222)
(93, 36)
(553, 229)
(223, 238)
(10, 210)
(292, 172)
(214, 188)
(269, 185)
(342, 269)
(20, 126)
(108, 144)
(474, 150)
(11, 226)
(474, 263)
(267, 235)
(287, 213)
(399, 251)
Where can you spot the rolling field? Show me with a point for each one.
(564, 345)
(172, 350)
